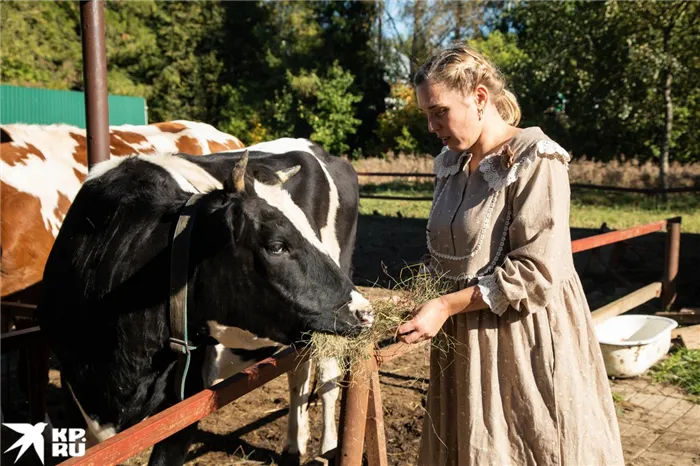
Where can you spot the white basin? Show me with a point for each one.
(632, 343)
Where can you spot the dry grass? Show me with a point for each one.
(414, 287)
(630, 173)
(400, 163)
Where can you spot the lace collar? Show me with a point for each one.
(505, 166)
(445, 164)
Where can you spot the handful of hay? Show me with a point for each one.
(392, 306)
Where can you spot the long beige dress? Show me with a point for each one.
(521, 383)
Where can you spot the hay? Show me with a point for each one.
(414, 287)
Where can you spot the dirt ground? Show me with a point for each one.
(252, 430)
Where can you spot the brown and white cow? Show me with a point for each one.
(41, 171)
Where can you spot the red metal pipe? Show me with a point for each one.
(353, 415)
(375, 433)
(604, 239)
(95, 80)
(154, 429)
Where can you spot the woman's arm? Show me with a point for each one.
(431, 315)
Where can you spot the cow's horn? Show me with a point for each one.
(238, 174)
(287, 173)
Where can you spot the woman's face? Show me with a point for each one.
(451, 116)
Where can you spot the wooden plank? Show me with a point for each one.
(21, 339)
(683, 318)
(375, 435)
(604, 239)
(154, 429)
(689, 335)
(403, 174)
(627, 302)
(16, 309)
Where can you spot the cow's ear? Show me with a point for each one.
(287, 173)
(236, 182)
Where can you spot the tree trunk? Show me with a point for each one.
(380, 14)
(666, 147)
(459, 21)
(417, 44)
(665, 150)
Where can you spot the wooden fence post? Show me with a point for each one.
(673, 246)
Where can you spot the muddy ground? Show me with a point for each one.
(252, 430)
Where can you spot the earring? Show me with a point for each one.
(481, 113)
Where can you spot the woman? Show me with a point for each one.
(519, 377)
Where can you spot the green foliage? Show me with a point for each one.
(403, 126)
(406, 142)
(320, 107)
(591, 74)
(608, 61)
(682, 368)
(39, 45)
(331, 118)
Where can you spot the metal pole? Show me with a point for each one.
(353, 415)
(95, 80)
(375, 435)
(673, 247)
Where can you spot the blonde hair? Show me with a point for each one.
(461, 68)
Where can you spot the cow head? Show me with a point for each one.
(283, 281)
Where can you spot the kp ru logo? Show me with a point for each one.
(67, 442)
(64, 442)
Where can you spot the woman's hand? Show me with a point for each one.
(426, 322)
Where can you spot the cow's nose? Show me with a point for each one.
(362, 309)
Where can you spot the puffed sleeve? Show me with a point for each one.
(538, 233)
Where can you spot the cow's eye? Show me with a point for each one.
(277, 247)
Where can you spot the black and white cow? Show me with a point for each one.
(269, 259)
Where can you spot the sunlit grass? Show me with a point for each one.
(589, 209)
(681, 368)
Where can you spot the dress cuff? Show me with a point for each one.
(492, 295)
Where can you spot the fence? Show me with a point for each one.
(647, 191)
(361, 426)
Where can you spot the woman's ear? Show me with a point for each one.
(481, 96)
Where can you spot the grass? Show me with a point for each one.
(589, 209)
(681, 368)
(620, 404)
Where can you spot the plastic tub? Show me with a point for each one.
(631, 344)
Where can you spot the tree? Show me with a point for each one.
(662, 32)
(597, 80)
